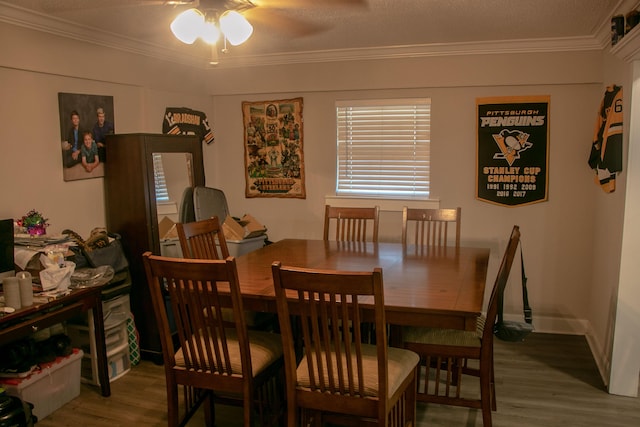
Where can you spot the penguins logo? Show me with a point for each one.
(511, 143)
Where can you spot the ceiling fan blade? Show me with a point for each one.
(308, 4)
(79, 5)
(291, 26)
(189, 3)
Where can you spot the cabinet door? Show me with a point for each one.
(132, 208)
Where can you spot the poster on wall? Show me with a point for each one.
(273, 148)
(512, 150)
(85, 121)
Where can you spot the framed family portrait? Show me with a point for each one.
(273, 148)
(85, 121)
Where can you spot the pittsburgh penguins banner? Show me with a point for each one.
(513, 150)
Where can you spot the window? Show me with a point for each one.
(383, 148)
(162, 194)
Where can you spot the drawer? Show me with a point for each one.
(116, 310)
(115, 336)
(119, 364)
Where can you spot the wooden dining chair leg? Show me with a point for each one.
(410, 419)
(271, 396)
(249, 407)
(485, 396)
(172, 409)
(294, 416)
(494, 405)
(209, 410)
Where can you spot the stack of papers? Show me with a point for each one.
(39, 241)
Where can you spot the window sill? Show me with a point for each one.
(386, 205)
(167, 208)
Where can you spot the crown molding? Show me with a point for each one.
(418, 51)
(628, 48)
(198, 58)
(29, 19)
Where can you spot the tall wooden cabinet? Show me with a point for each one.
(131, 209)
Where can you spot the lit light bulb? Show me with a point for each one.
(210, 32)
(187, 26)
(235, 27)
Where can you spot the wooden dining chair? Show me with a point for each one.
(431, 227)
(351, 224)
(202, 239)
(234, 364)
(338, 378)
(444, 353)
(205, 239)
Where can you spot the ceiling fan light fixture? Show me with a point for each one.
(188, 26)
(210, 32)
(235, 27)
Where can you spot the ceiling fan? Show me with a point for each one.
(230, 20)
(289, 18)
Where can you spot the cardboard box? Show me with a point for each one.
(232, 229)
(55, 384)
(253, 227)
(167, 229)
(247, 228)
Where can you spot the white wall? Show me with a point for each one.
(33, 70)
(625, 355)
(559, 236)
(608, 210)
(554, 232)
(567, 291)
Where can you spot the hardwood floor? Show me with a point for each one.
(548, 380)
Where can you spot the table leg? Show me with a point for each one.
(395, 336)
(101, 348)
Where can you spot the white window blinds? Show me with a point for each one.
(383, 147)
(162, 194)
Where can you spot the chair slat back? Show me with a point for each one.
(198, 290)
(202, 239)
(431, 226)
(328, 304)
(351, 224)
(500, 283)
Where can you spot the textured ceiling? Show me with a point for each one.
(325, 26)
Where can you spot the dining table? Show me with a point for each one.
(439, 287)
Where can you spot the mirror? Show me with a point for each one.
(173, 172)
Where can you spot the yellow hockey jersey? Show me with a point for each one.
(606, 149)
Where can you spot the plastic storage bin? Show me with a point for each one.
(117, 342)
(171, 247)
(119, 363)
(241, 247)
(81, 337)
(51, 387)
(116, 316)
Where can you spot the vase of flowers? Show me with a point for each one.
(34, 222)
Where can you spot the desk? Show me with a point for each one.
(27, 320)
(438, 287)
